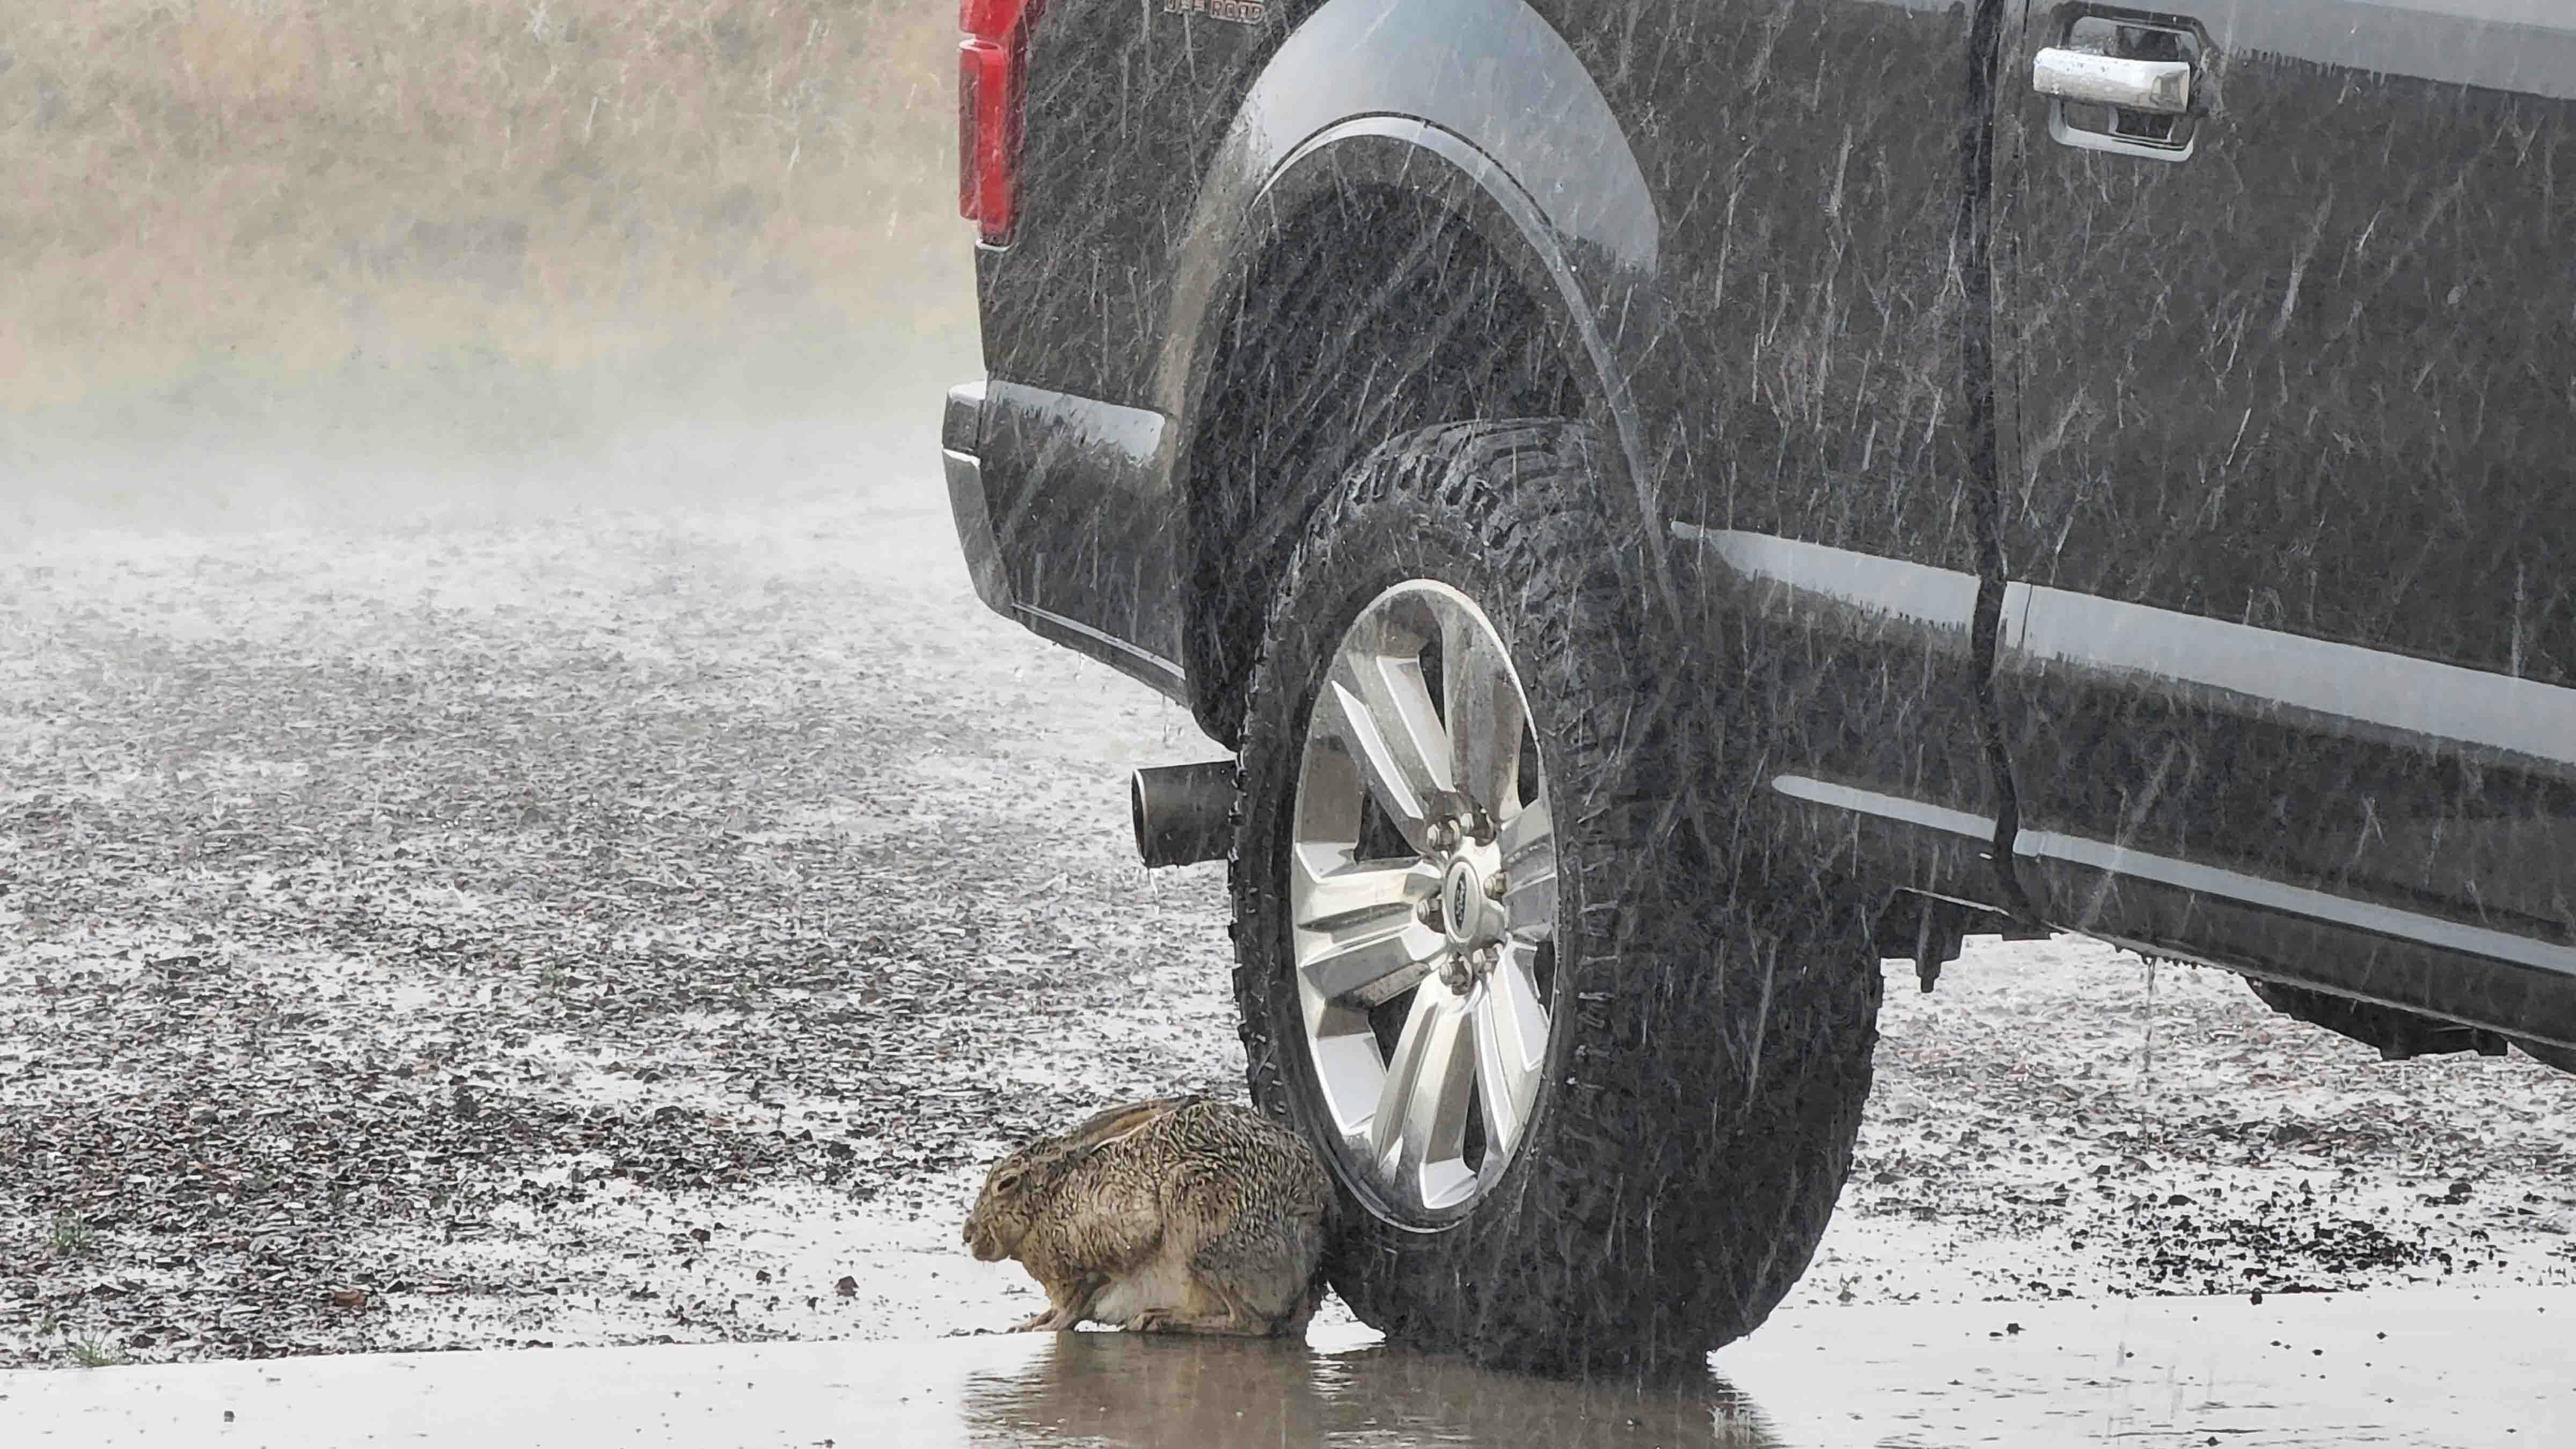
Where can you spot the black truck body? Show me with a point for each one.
(2245, 471)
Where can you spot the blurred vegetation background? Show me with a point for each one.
(485, 224)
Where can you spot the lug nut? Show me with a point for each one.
(1497, 886)
(1442, 835)
(1429, 912)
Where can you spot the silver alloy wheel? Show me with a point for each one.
(1422, 896)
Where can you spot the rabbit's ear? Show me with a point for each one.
(1103, 1128)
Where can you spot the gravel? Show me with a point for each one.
(2062, 1120)
(630, 906)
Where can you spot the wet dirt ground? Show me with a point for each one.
(2442, 1369)
(626, 904)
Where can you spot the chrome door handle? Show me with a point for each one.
(2162, 87)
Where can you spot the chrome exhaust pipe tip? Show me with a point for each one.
(1184, 814)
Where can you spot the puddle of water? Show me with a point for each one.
(2407, 1369)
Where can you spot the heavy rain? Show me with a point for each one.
(1684, 722)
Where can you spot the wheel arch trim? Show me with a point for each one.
(1504, 129)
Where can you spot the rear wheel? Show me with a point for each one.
(1586, 1058)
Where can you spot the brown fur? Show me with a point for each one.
(1178, 1214)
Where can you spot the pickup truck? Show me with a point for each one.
(1672, 503)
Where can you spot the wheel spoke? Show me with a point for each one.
(1528, 845)
(1483, 710)
(1357, 933)
(1378, 707)
(1511, 1047)
(1369, 965)
(1334, 891)
(1421, 1117)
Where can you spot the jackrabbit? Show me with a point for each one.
(1179, 1214)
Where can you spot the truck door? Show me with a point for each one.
(2289, 329)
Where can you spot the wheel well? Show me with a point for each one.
(1375, 313)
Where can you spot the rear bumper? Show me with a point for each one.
(961, 432)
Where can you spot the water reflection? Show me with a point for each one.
(1147, 1391)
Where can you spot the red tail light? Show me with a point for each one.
(990, 84)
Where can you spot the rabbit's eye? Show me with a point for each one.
(1006, 1181)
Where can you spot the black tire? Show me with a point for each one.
(1713, 1007)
